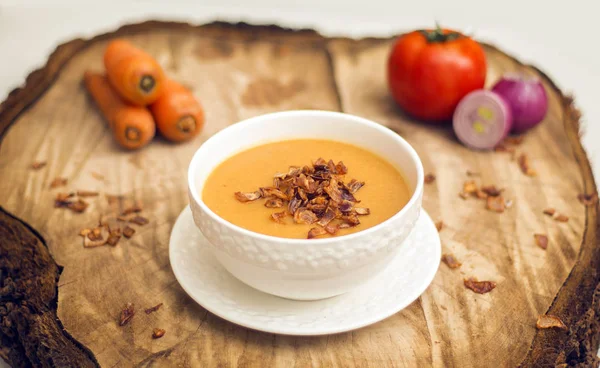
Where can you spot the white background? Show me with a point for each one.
(560, 37)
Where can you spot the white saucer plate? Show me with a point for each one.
(215, 289)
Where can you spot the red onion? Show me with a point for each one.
(526, 97)
(482, 119)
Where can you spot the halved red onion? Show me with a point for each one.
(482, 119)
(526, 97)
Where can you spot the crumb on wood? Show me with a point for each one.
(545, 321)
(541, 240)
(429, 178)
(469, 187)
(113, 239)
(78, 206)
(58, 182)
(126, 314)
(128, 232)
(479, 287)
(561, 218)
(86, 193)
(132, 209)
(153, 309)
(139, 220)
(451, 261)
(36, 165)
(496, 204)
(525, 165)
(157, 333)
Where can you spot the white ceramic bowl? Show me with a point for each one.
(300, 268)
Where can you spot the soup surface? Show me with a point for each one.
(384, 192)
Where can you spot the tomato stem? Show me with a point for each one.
(439, 36)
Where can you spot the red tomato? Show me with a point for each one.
(430, 71)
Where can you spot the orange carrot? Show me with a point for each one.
(178, 115)
(133, 73)
(132, 126)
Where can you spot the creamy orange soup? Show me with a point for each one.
(384, 193)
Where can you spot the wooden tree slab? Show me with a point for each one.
(67, 315)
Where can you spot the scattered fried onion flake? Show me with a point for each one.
(439, 225)
(279, 217)
(313, 195)
(480, 194)
(588, 200)
(78, 206)
(316, 231)
(524, 165)
(496, 204)
(549, 321)
(450, 261)
(128, 232)
(469, 187)
(157, 333)
(95, 234)
(132, 209)
(362, 211)
(153, 309)
(38, 165)
(429, 178)
(248, 197)
(549, 211)
(332, 229)
(95, 237)
(472, 173)
(305, 216)
(113, 239)
(480, 287)
(63, 200)
(58, 182)
(274, 203)
(561, 218)
(541, 240)
(86, 193)
(491, 190)
(139, 220)
(126, 314)
(355, 185)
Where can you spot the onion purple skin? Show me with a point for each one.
(527, 99)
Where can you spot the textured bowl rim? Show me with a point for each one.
(290, 113)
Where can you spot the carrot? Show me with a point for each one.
(132, 126)
(133, 73)
(178, 115)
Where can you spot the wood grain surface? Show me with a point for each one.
(239, 71)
